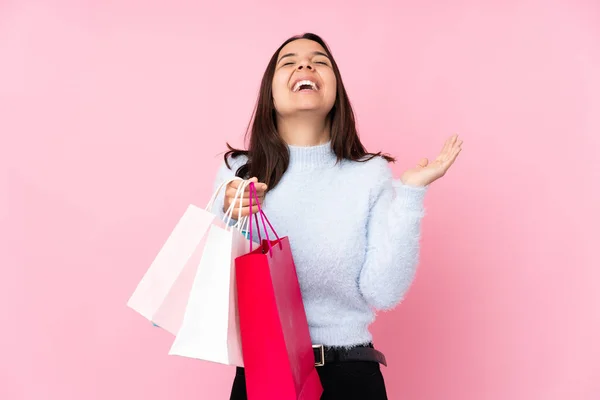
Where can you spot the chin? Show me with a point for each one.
(307, 109)
(309, 106)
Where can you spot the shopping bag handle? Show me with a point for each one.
(241, 222)
(263, 217)
(239, 195)
(212, 200)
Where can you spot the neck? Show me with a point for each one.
(304, 130)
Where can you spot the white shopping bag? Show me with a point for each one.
(210, 329)
(162, 294)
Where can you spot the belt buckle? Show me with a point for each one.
(321, 352)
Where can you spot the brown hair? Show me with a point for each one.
(268, 154)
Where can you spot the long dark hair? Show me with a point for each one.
(268, 154)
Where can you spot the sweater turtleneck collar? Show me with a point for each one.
(311, 157)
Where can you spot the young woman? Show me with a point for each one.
(354, 230)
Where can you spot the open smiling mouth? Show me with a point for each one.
(305, 86)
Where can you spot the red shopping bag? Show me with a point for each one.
(278, 356)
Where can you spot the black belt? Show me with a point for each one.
(325, 355)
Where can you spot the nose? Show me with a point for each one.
(305, 64)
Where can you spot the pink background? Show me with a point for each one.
(113, 118)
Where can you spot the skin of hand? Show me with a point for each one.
(243, 202)
(427, 172)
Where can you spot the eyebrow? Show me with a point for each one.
(314, 53)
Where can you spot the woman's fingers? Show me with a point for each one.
(243, 199)
(232, 189)
(245, 202)
(231, 193)
(454, 152)
(245, 211)
(447, 145)
(448, 148)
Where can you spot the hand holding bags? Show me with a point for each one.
(210, 329)
(163, 294)
(277, 349)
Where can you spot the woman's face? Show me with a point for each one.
(304, 79)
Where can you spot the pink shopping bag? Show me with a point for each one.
(277, 349)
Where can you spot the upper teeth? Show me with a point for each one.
(305, 82)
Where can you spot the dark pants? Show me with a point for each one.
(341, 381)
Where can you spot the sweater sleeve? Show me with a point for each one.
(393, 236)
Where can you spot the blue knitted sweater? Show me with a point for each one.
(354, 233)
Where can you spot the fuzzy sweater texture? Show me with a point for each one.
(354, 232)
